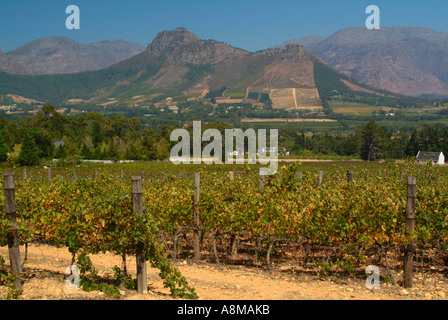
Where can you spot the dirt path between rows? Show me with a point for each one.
(45, 268)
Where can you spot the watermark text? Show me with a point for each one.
(234, 149)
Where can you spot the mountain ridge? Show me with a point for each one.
(406, 60)
(179, 64)
(56, 55)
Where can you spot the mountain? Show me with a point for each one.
(57, 55)
(306, 42)
(9, 66)
(181, 46)
(180, 65)
(406, 60)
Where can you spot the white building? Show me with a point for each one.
(434, 157)
(273, 150)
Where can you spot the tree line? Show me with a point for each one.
(373, 142)
(89, 136)
(49, 134)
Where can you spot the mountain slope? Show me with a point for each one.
(179, 64)
(9, 66)
(58, 55)
(405, 60)
(305, 42)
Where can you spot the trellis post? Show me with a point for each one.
(410, 226)
(13, 232)
(349, 176)
(196, 220)
(137, 202)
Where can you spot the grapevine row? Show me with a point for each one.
(95, 215)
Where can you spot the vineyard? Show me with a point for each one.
(332, 220)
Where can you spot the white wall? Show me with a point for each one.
(441, 158)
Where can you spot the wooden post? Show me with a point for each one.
(367, 175)
(261, 185)
(49, 173)
(349, 176)
(319, 180)
(74, 174)
(137, 202)
(410, 226)
(13, 232)
(24, 173)
(196, 220)
(123, 255)
(231, 175)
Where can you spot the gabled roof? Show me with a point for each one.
(58, 143)
(428, 155)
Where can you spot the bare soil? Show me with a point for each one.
(44, 279)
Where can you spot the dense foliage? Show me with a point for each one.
(94, 214)
(97, 137)
(89, 216)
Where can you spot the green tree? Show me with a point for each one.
(60, 152)
(95, 132)
(85, 152)
(370, 142)
(112, 151)
(162, 149)
(133, 153)
(349, 145)
(413, 147)
(3, 149)
(48, 110)
(149, 140)
(44, 143)
(30, 153)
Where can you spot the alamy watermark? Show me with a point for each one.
(373, 280)
(73, 20)
(373, 21)
(257, 149)
(72, 281)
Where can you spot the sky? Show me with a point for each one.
(247, 24)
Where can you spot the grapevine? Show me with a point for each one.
(346, 220)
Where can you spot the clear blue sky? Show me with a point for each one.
(248, 24)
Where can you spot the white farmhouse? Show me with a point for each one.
(434, 157)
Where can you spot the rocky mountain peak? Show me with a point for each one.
(294, 52)
(168, 39)
(181, 46)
